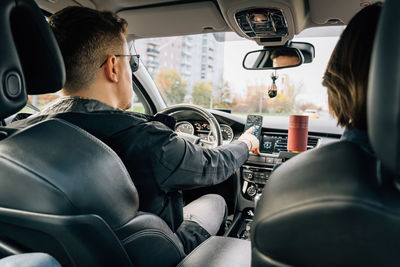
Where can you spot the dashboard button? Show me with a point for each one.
(270, 160)
(251, 191)
(248, 175)
(258, 159)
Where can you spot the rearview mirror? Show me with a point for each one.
(277, 57)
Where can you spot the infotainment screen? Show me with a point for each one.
(273, 144)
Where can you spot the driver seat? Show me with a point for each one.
(62, 191)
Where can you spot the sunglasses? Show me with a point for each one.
(133, 61)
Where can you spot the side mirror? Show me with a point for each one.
(278, 57)
(273, 58)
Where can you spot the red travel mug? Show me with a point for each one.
(298, 133)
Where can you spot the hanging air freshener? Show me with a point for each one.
(273, 90)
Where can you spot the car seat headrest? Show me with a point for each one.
(384, 89)
(31, 62)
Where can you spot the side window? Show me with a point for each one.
(34, 105)
(137, 105)
(41, 101)
(140, 103)
(38, 102)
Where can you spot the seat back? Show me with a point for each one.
(64, 237)
(326, 207)
(62, 191)
(55, 170)
(70, 174)
(338, 205)
(55, 167)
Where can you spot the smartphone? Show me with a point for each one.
(256, 121)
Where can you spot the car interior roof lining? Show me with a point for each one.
(215, 15)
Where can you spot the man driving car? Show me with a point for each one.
(98, 89)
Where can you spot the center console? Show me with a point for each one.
(254, 175)
(256, 171)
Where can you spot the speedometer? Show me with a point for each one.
(184, 127)
(227, 133)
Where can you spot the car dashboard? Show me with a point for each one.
(255, 172)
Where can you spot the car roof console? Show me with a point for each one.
(263, 23)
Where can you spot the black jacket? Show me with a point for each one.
(159, 162)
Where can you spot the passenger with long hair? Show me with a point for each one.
(346, 75)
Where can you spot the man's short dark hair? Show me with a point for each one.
(86, 37)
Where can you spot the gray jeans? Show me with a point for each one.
(208, 211)
(30, 260)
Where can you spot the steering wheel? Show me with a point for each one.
(206, 115)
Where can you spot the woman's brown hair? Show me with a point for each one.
(346, 75)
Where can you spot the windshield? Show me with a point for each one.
(200, 70)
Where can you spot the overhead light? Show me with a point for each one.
(335, 21)
(208, 29)
(364, 3)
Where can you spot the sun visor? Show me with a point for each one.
(54, 6)
(180, 19)
(328, 12)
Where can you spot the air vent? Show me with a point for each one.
(281, 145)
(312, 142)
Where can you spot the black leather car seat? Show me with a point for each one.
(62, 191)
(338, 205)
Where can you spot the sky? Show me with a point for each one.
(310, 75)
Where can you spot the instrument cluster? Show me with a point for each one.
(202, 129)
